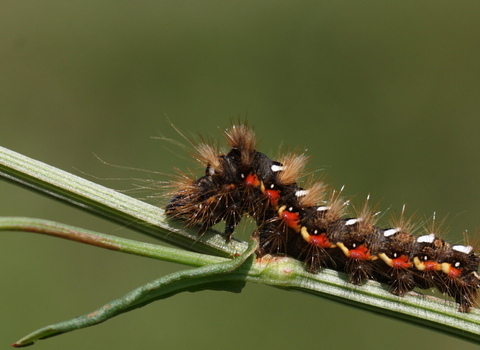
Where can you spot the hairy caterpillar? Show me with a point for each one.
(311, 223)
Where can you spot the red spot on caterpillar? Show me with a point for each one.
(320, 241)
(432, 266)
(291, 219)
(401, 262)
(454, 273)
(360, 253)
(273, 196)
(252, 180)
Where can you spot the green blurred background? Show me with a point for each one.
(384, 95)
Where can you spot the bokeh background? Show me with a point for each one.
(383, 95)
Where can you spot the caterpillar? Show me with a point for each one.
(312, 224)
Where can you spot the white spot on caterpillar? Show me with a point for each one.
(324, 208)
(277, 168)
(301, 193)
(391, 231)
(426, 238)
(463, 249)
(211, 171)
(352, 222)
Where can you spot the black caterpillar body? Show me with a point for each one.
(310, 223)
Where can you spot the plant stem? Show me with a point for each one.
(101, 240)
(201, 278)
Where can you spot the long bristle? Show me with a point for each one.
(293, 168)
(367, 216)
(402, 222)
(242, 138)
(315, 194)
(337, 206)
(208, 155)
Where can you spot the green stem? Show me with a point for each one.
(101, 240)
(201, 278)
